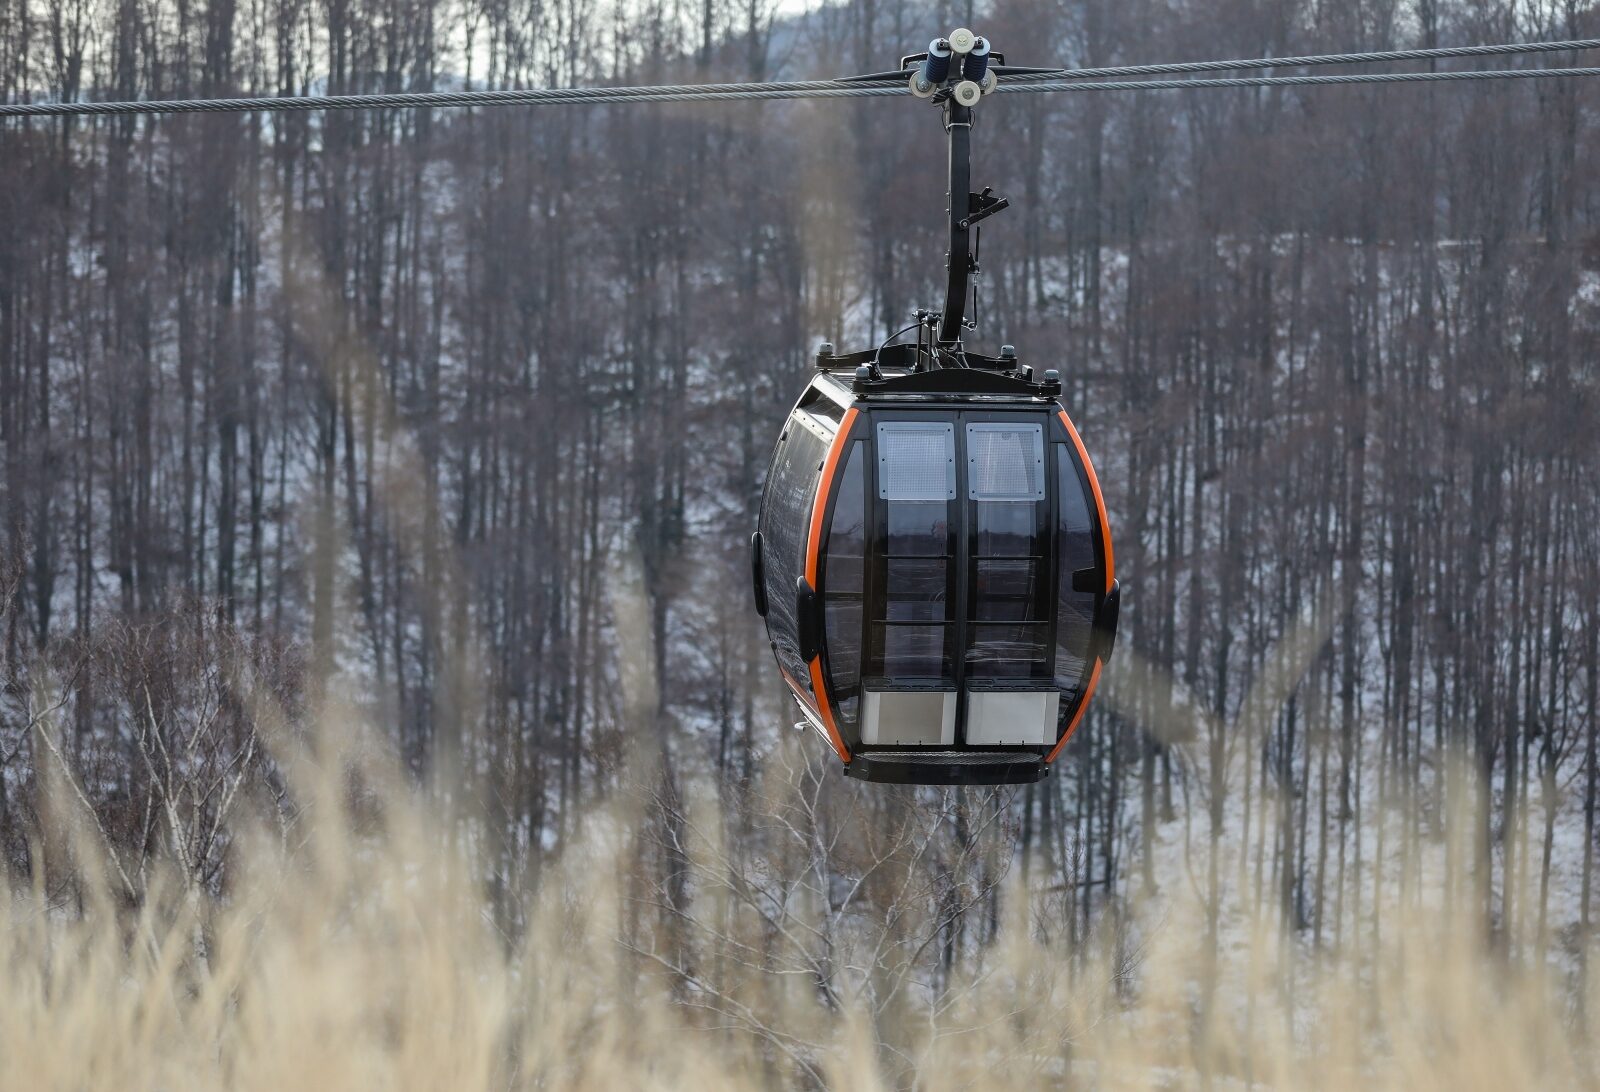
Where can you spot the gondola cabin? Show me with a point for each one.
(932, 556)
(935, 569)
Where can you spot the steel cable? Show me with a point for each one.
(1065, 80)
(1304, 81)
(562, 96)
(1386, 56)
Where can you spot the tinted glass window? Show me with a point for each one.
(918, 589)
(1009, 529)
(785, 523)
(912, 619)
(916, 653)
(918, 530)
(1009, 620)
(1015, 650)
(842, 576)
(1075, 543)
(1008, 591)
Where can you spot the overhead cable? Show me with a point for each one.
(1062, 80)
(538, 96)
(1385, 57)
(1302, 81)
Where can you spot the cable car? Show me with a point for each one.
(933, 558)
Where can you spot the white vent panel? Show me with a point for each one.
(916, 461)
(1005, 462)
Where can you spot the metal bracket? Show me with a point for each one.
(996, 60)
(981, 206)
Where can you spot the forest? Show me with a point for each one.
(455, 422)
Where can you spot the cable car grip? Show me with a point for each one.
(960, 263)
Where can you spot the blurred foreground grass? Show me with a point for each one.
(361, 948)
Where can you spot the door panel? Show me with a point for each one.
(959, 591)
(911, 619)
(1007, 638)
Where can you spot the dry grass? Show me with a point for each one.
(362, 951)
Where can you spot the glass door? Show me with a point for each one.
(911, 619)
(959, 595)
(1007, 644)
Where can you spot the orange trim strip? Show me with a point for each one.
(1111, 575)
(799, 691)
(1099, 501)
(1083, 707)
(819, 509)
(825, 710)
(810, 704)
